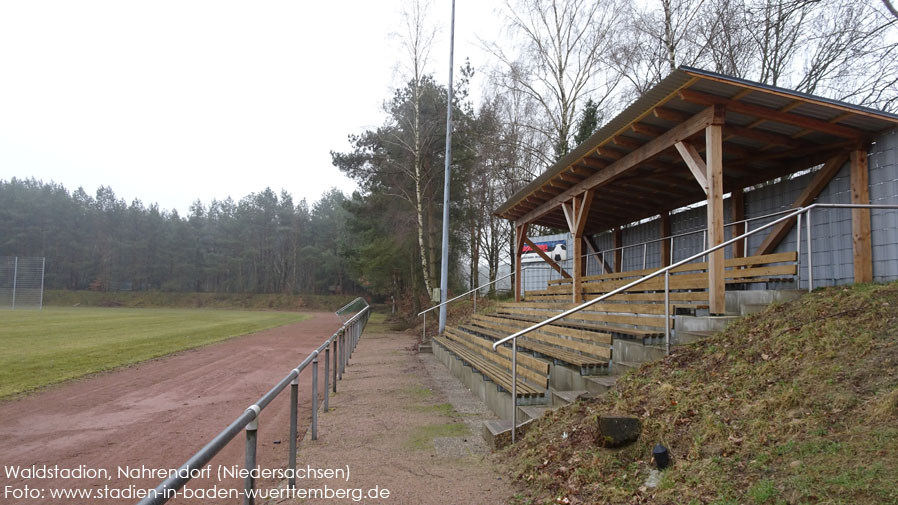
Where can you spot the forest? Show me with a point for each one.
(558, 70)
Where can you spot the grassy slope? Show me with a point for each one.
(40, 348)
(798, 404)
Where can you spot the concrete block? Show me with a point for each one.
(636, 351)
(617, 431)
(561, 398)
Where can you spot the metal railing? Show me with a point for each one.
(794, 213)
(344, 341)
(600, 255)
(466, 293)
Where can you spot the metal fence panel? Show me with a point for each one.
(21, 282)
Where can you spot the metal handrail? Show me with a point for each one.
(666, 271)
(344, 341)
(475, 291)
(601, 254)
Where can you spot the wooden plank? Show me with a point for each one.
(860, 218)
(714, 154)
(496, 373)
(684, 130)
(562, 343)
(771, 114)
(580, 333)
(807, 196)
(549, 261)
(485, 347)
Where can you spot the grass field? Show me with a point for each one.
(46, 347)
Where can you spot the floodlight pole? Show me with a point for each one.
(444, 265)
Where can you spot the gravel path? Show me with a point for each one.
(400, 422)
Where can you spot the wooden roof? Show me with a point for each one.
(636, 172)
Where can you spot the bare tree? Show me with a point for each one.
(557, 59)
(417, 41)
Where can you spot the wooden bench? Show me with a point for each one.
(778, 267)
(534, 370)
(590, 358)
(623, 331)
(497, 374)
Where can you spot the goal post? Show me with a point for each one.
(22, 282)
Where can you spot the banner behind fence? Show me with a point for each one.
(21, 282)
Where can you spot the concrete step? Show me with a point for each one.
(709, 323)
(752, 308)
(560, 398)
(690, 337)
(636, 351)
(425, 348)
(622, 367)
(531, 412)
(497, 433)
(599, 385)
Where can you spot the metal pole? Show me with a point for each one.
(798, 251)
(294, 406)
(645, 250)
(335, 364)
(514, 388)
(667, 312)
(424, 329)
(810, 260)
(250, 457)
(315, 397)
(475, 302)
(327, 375)
(15, 278)
(43, 268)
(444, 265)
(342, 352)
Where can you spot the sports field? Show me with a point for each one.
(39, 348)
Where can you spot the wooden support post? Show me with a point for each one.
(618, 252)
(714, 162)
(737, 199)
(519, 236)
(665, 244)
(576, 212)
(860, 218)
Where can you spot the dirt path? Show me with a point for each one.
(400, 422)
(157, 414)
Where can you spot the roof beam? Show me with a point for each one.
(670, 114)
(761, 136)
(770, 114)
(693, 125)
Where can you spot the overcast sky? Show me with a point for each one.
(170, 101)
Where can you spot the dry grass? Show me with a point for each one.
(797, 404)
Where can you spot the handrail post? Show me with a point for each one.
(315, 397)
(514, 388)
(327, 375)
(335, 364)
(294, 406)
(810, 254)
(250, 457)
(424, 329)
(798, 251)
(667, 312)
(475, 301)
(645, 251)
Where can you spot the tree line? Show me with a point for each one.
(264, 243)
